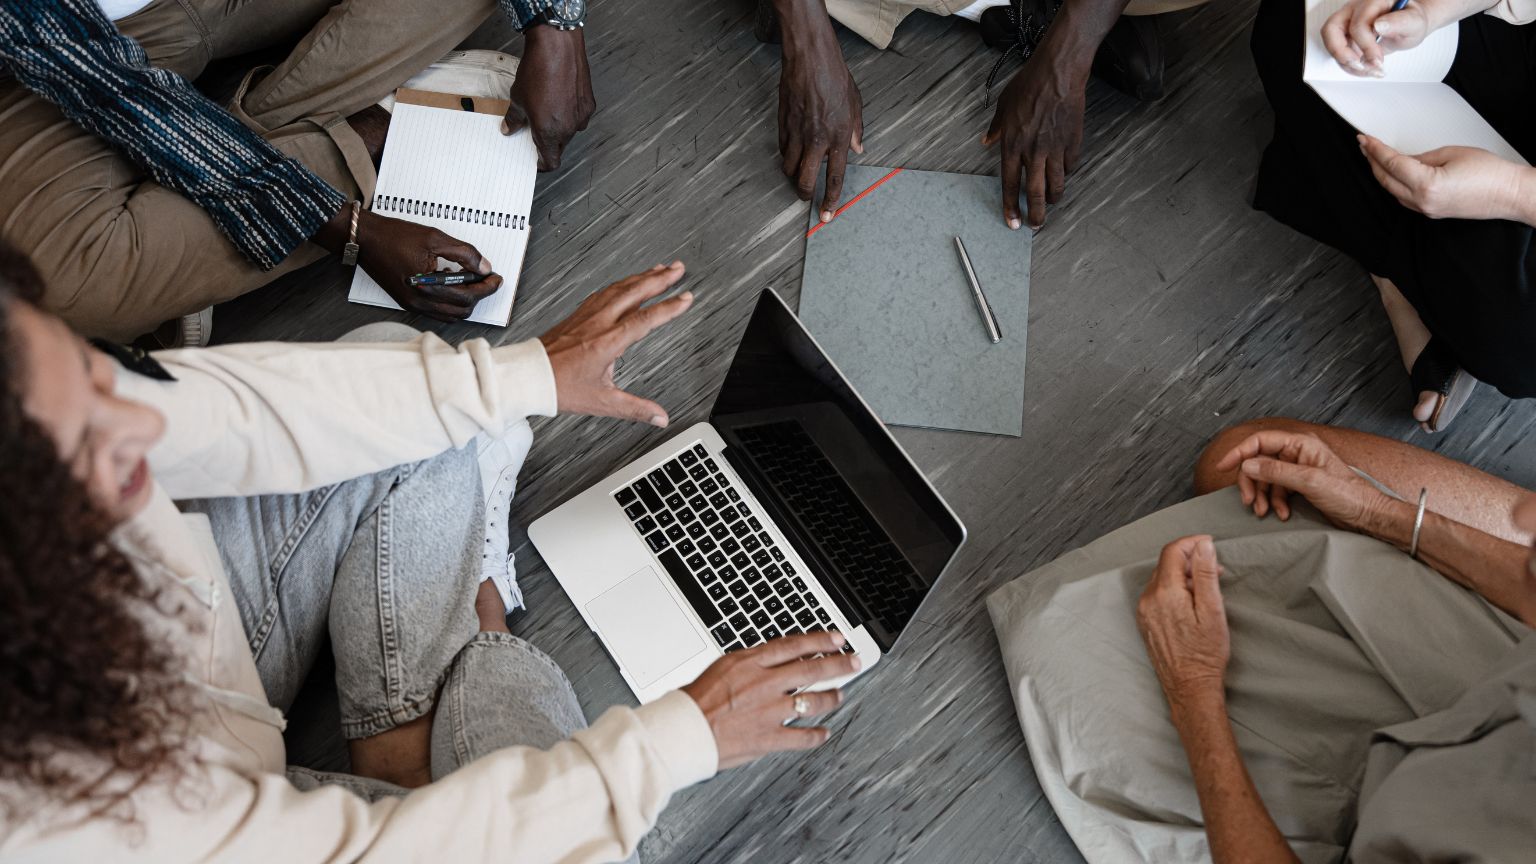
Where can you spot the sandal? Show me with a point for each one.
(1436, 371)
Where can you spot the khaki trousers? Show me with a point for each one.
(876, 20)
(119, 253)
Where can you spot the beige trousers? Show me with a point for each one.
(119, 253)
(876, 20)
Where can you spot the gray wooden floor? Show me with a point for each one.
(1164, 308)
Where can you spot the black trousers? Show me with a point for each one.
(1472, 282)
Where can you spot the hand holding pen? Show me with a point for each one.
(1359, 35)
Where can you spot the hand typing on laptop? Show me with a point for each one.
(748, 695)
(584, 347)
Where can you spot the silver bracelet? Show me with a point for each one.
(1418, 523)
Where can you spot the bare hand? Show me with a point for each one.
(583, 348)
(1350, 34)
(393, 250)
(1039, 123)
(552, 94)
(1449, 182)
(747, 695)
(1273, 464)
(1184, 622)
(821, 116)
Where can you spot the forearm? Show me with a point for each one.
(1237, 825)
(1494, 568)
(802, 25)
(1523, 196)
(1078, 29)
(1442, 13)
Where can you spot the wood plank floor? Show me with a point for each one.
(1163, 309)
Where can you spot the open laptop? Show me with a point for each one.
(792, 509)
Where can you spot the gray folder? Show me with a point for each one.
(885, 294)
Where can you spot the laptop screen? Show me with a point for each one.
(831, 476)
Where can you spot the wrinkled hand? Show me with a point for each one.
(821, 116)
(746, 695)
(393, 250)
(1039, 123)
(552, 94)
(583, 348)
(1450, 182)
(1273, 464)
(1184, 622)
(1350, 33)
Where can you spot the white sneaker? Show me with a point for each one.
(188, 331)
(500, 461)
(476, 73)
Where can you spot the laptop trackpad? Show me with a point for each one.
(645, 628)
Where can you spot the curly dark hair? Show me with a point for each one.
(92, 704)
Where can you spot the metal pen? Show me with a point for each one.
(982, 306)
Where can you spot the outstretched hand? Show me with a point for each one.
(583, 348)
(1272, 464)
(747, 695)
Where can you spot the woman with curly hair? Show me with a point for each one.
(328, 512)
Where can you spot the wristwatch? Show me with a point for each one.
(564, 14)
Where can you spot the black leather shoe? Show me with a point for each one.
(1015, 29)
(1130, 58)
(765, 26)
(1001, 25)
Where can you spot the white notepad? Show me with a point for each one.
(451, 168)
(1410, 108)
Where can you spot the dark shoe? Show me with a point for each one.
(766, 24)
(1130, 59)
(1436, 371)
(1016, 30)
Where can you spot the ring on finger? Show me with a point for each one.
(802, 705)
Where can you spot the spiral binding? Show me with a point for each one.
(416, 207)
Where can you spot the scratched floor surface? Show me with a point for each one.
(1163, 308)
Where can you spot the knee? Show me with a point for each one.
(1208, 478)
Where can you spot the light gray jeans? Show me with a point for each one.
(376, 579)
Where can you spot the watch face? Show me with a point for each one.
(570, 11)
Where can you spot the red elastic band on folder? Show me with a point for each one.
(839, 211)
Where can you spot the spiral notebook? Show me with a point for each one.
(447, 165)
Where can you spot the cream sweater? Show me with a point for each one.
(279, 418)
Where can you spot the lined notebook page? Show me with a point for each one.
(1409, 107)
(455, 171)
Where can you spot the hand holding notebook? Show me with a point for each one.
(1404, 102)
(448, 167)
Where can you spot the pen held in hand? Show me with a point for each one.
(448, 278)
(1397, 6)
(988, 319)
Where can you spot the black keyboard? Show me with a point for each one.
(837, 521)
(715, 548)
